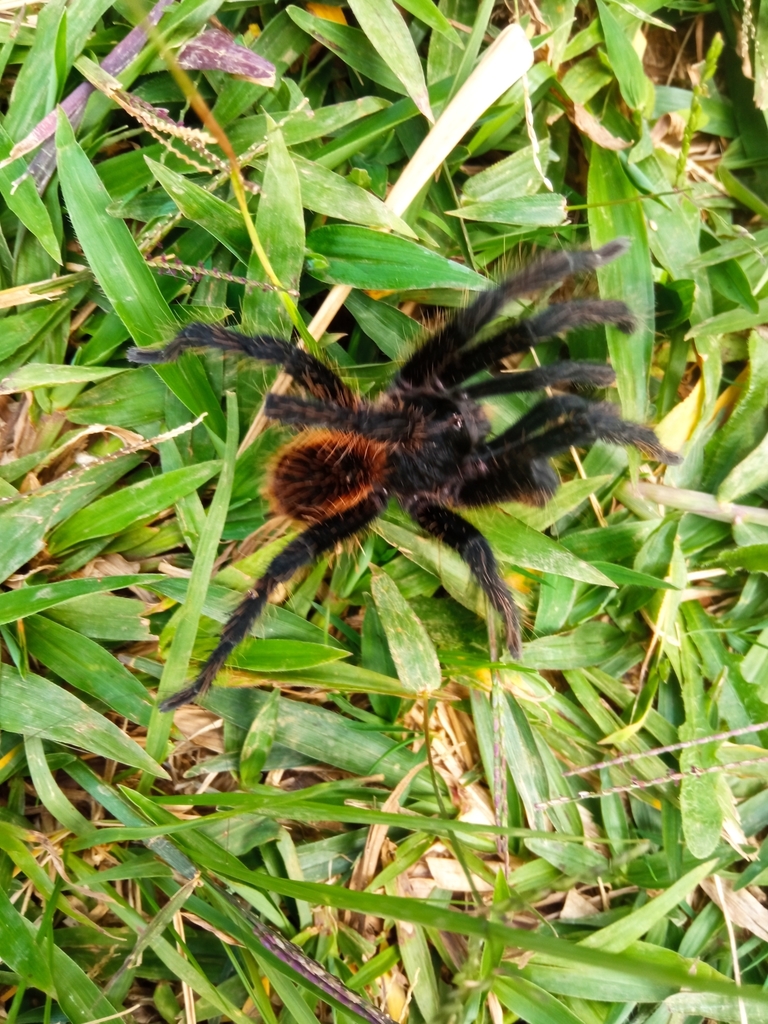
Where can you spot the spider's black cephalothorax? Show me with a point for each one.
(425, 441)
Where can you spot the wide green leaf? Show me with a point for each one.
(109, 248)
(143, 500)
(367, 259)
(412, 650)
(36, 706)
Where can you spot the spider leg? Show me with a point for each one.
(557, 424)
(475, 550)
(596, 374)
(438, 351)
(508, 476)
(365, 421)
(557, 319)
(301, 551)
(514, 466)
(305, 369)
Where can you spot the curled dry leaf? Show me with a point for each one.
(215, 50)
(741, 907)
(591, 127)
(669, 128)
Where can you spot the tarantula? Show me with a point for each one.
(425, 439)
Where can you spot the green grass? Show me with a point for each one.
(358, 784)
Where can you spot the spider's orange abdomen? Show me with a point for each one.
(324, 472)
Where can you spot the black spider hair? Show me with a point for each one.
(425, 439)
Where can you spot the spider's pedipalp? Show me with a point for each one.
(474, 549)
(301, 551)
(316, 377)
(598, 375)
(565, 421)
(439, 350)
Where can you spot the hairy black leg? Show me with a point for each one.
(301, 551)
(313, 375)
(365, 420)
(429, 361)
(475, 550)
(507, 476)
(557, 424)
(557, 319)
(581, 374)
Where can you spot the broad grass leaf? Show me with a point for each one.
(636, 89)
(143, 500)
(328, 193)
(734, 1008)
(747, 476)
(444, 57)
(88, 666)
(746, 426)
(104, 617)
(532, 1003)
(189, 381)
(306, 125)
(568, 497)
(522, 754)
(34, 705)
(511, 178)
(732, 320)
(590, 644)
(639, 982)
(703, 799)
(622, 576)
(19, 948)
(391, 329)
(22, 199)
(17, 604)
(368, 259)
(42, 375)
(426, 11)
(188, 618)
(133, 400)
(258, 741)
(25, 521)
(36, 83)
(514, 542)
(211, 213)
(58, 976)
(572, 859)
(752, 557)
(111, 252)
(280, 226)
(412, 650)
(436, 558)
(31, 324)
(48, 790)
(351, 45)
(545, 210)
(385, 28)
(615, 212)
(283, 655)
(321, 735)
(417, 962)
(616, 937)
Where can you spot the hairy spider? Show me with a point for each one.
(425, 439)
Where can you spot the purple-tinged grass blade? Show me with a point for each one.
(215, 50)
